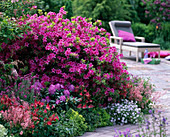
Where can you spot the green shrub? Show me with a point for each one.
(166, 31)
(71, 124)
(104, 117)
(163, 44)
(95, 117)
(143, 30)
(91, 118)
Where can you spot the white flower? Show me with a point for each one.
(3, 131)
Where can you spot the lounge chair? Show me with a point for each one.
(125, 26)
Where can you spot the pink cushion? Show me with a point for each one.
(127, 37)
(163, 54)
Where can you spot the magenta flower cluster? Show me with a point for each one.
(73, 52)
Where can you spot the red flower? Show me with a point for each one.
(56, 117)
(90, 106)
(79, 106)
(45, 119)
(87, 94)
(49, 123)
(48, 107)
(81, 94)
(84, 106)
(45, 111)
(35, 118)
(41, 104)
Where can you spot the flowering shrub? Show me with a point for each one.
(124, 112)
(160, 7)
(70, 52)
(44, 119)
(27, 120)
(141, 91)
(59, 96)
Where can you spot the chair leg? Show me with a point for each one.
(137, 56)
(121, 51)
(142, 54)
(130, 53)
(159, 54)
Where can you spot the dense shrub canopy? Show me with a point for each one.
(69, 52)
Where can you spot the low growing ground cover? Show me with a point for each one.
(61, 77)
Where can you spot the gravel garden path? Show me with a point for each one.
(160, 76)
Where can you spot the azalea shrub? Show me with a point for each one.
(69, 52)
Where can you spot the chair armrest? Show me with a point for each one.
(117, 40)
(140, 38)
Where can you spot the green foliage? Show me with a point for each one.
(165, 31)
(162, 36)
(18, 8)
(10, 31)
(55, 5)
(95, 117)
(105, 10)
(104, 117)
(71, 124)
(163, 44)
(90, 118)
(143, 30)
(5, 74)
(152, 34)
(140, 9)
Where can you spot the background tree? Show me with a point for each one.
(105, 10)
(55, 5)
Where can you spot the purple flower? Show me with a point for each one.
(43, 100)
(150, 111)
(57, 101)
(71, 88)
(109, 98)
(47, 99)
(62, 98)
(52, 89)
(37, 86)
(58, 86)
(66, 92)
(164, 120)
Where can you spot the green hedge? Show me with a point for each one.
(143, 30)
